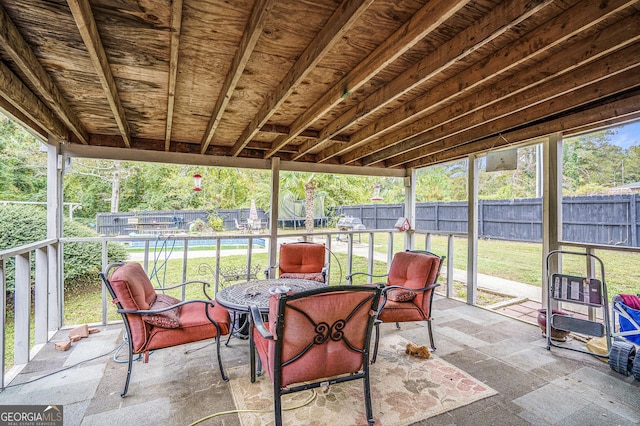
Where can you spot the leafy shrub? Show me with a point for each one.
(199, 227)
(83, 261)
(25, 224)
(216, 222)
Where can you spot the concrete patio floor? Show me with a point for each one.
(182, 385)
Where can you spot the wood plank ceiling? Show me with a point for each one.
(392, 84)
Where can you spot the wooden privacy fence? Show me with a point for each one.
(607, 219)
(166, 221)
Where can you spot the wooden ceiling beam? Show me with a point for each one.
(176, 28)
(17, 94)
(255, 26)
(16, 115)
(27, 62)
(339, 23)
(601, 116)
(555, 105)
(561, 105)
(501, 19)
(579, 18)
(312, 134)
(83, 16)
(593, 59)
(423, 22)
(598, 125)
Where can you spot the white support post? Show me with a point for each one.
(3, 319)
(105, 295)
(55, 164)
(450, 241)
(249, 258)
(53, 301)
(389, 250)
(273, 214)
(328, 259)
(410, 207)
(22, 294)
(41, 307)
(185, 258)
(217, 279)
(472, 231)
(371, 254)
(349, 254)
(592, 272)
(551, 208)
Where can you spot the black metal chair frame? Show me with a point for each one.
(105, 279)
(324, 333)
(386, 289)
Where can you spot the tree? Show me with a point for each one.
(586, 170)
(96, 184)
(443, 182)
(310, 192)
(23, 167)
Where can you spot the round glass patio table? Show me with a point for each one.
(239, 297)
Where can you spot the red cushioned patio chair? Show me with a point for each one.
(314, 338)
(302, 260)
(408, 292)
(156, 320)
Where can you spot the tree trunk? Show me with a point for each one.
(309, 206)
(115, 186)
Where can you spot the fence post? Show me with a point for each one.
(633, 219)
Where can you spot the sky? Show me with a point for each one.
(627, 135)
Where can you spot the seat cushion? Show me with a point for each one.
(312, 276)
(400, 312)
(166, 319)
(194, 326)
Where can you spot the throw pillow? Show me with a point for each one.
(166, 319)
(400, 295)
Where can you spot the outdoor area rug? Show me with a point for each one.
(404, 389)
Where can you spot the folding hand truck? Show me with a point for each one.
(592, 292)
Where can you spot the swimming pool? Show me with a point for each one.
(177, 243)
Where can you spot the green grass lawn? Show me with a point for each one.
(523, 262)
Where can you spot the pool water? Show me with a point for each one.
(225, 243)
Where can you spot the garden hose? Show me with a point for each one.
(302, 404)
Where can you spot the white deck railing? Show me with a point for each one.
(38, 307)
